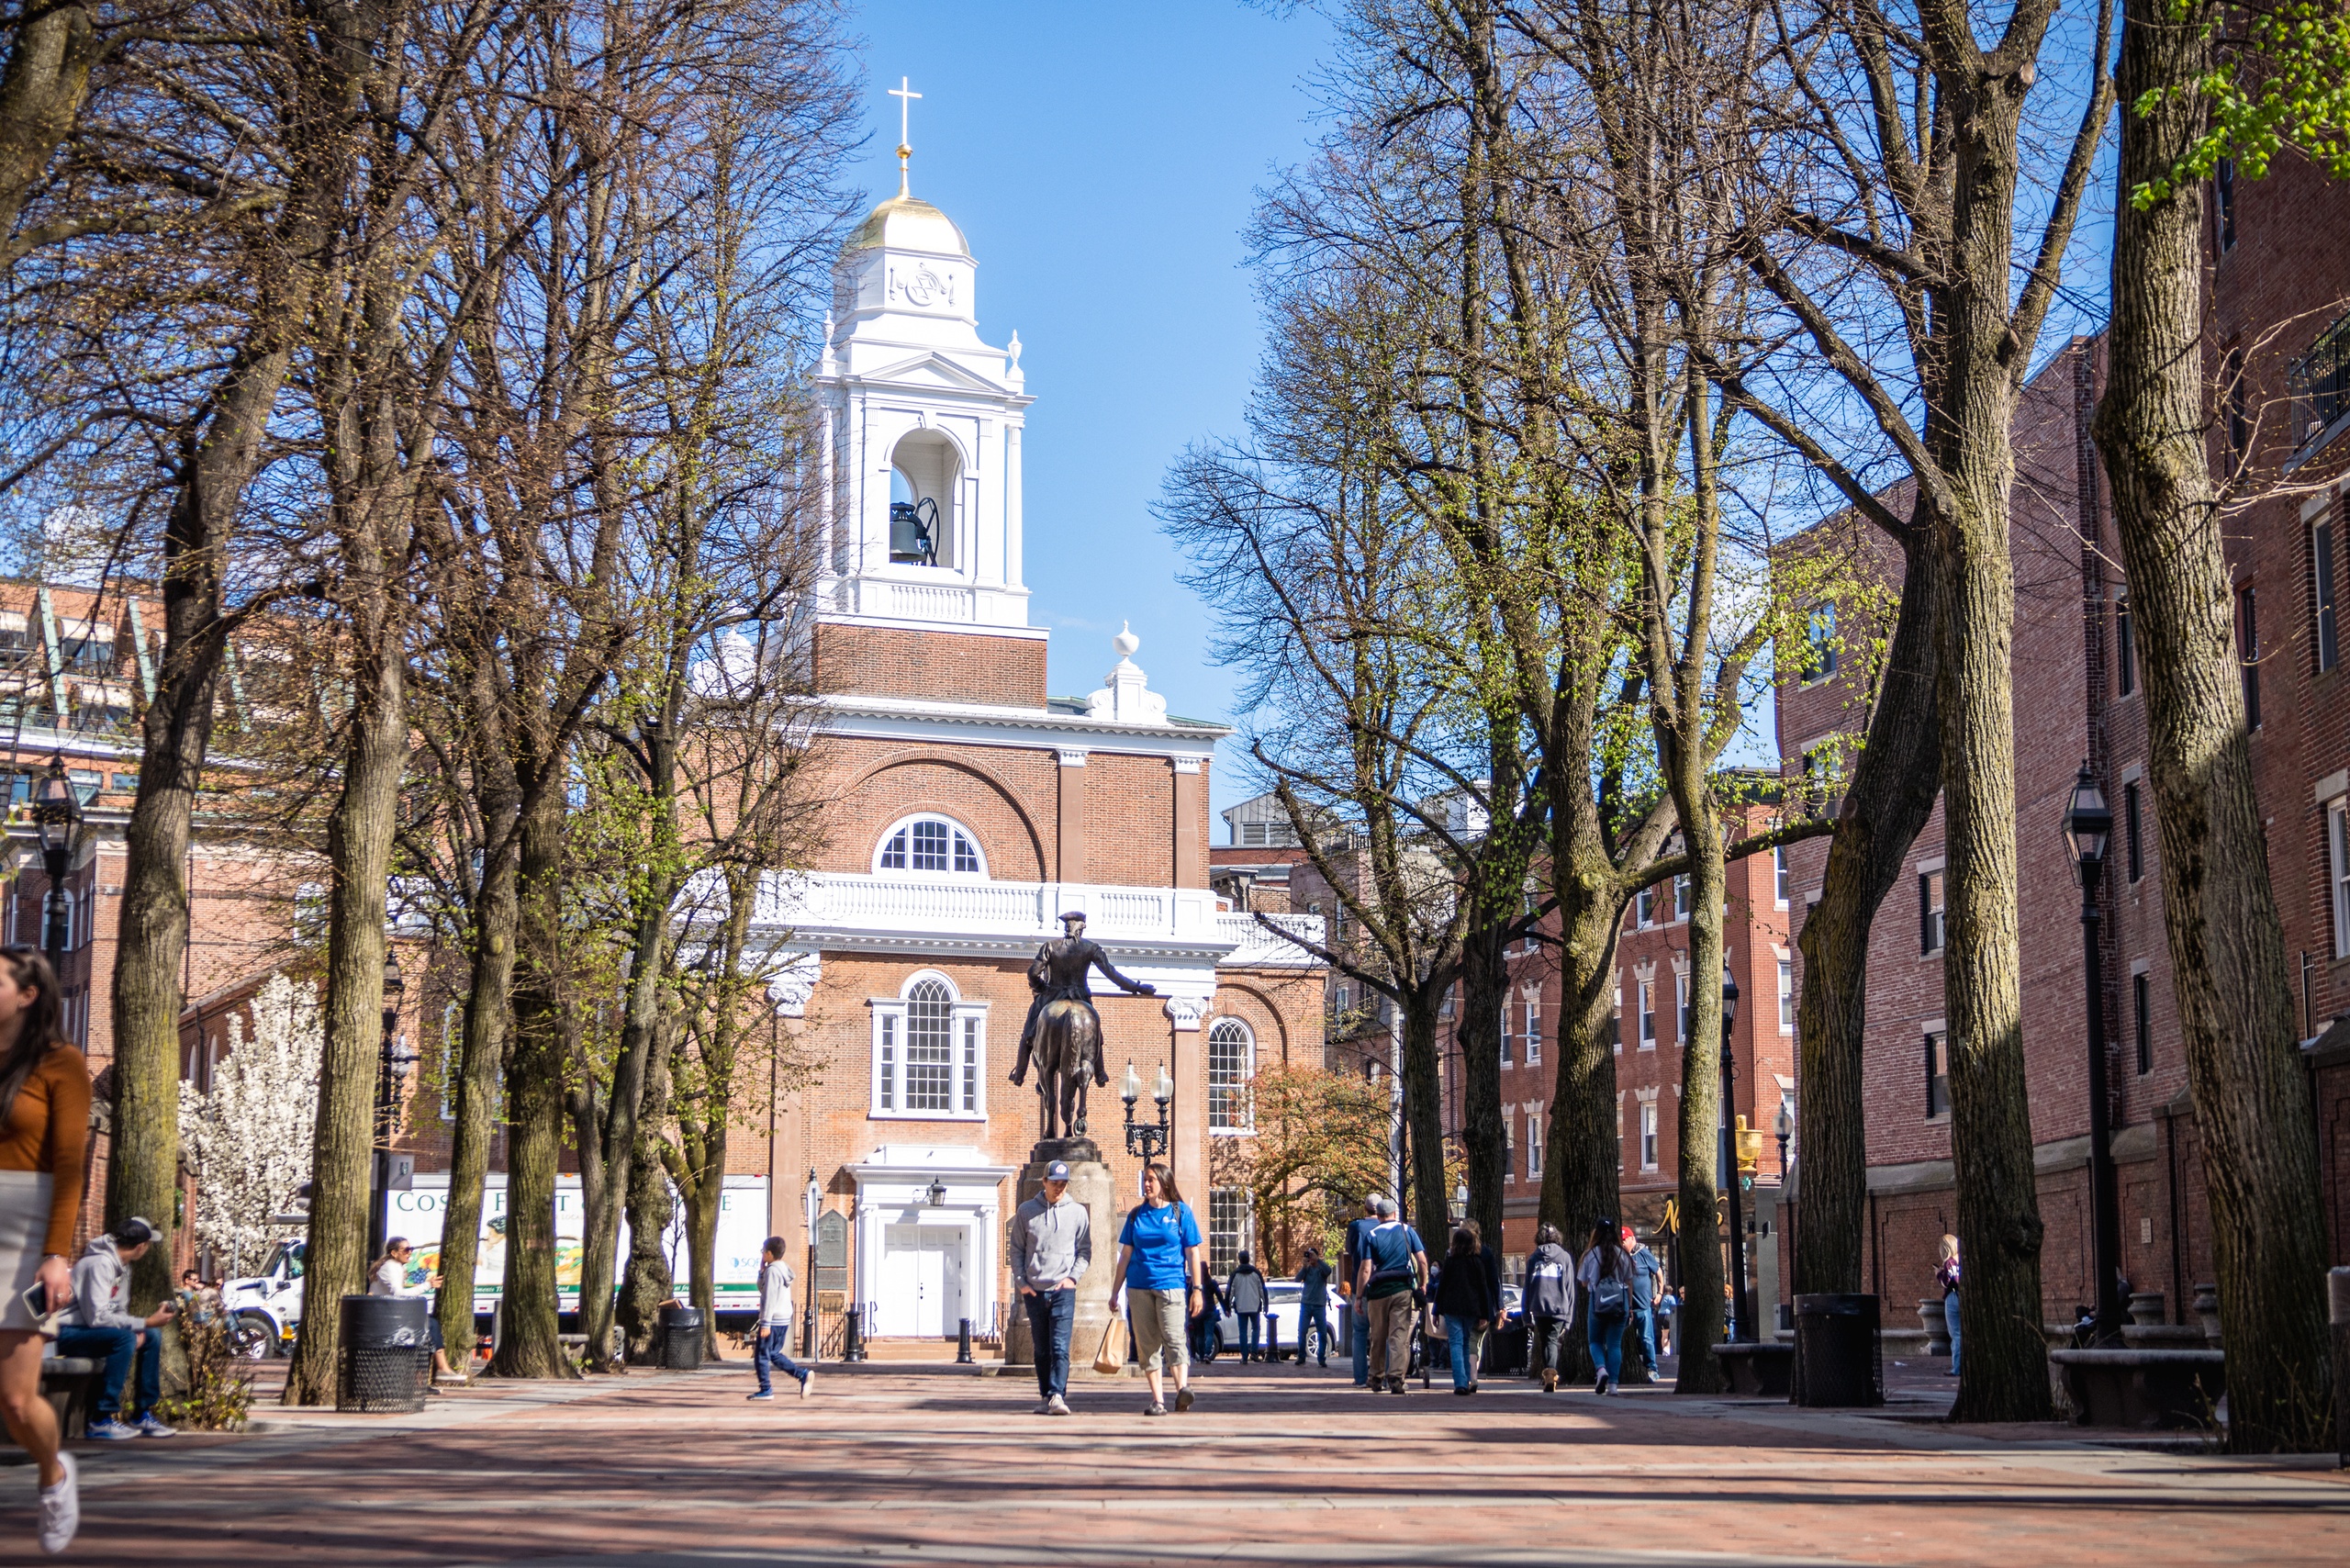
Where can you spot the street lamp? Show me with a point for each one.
(2088, 827)
(1783, 1127)
(390, 1069)
(815, 1199)
(57, 822)
(1739, 1328)
(937, 1193)
(1143, 1141)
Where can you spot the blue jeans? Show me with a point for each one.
(1313, 1329)
(1361, 1336)
(1607, 1344)
(1251, 1323)
(1052, 1315)
(118, 1349)
(1950, 1316)
(1645, 1316)
(773, 1350)
(1459, 1335)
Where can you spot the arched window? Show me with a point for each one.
(931, 847)
(1232, 1060)
(929, 1052)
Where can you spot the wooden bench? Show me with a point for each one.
(71, 1385)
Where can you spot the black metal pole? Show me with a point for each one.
(2105, 1203)
(379, 1186)
(58, 933)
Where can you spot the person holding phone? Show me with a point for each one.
(44, 1134)
(103, 1328)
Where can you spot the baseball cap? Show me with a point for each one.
(1057, 1171)
(135, 1231)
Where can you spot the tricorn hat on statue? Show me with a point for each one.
(1068, 914)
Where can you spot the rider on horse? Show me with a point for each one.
(1058, 974)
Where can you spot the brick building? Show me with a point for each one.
(2281, 352)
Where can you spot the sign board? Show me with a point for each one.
(832, 1251)
(416, 1212)
(402, 1176)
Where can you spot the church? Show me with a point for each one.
(970, 809)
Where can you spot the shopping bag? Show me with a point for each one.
(1111, 1358)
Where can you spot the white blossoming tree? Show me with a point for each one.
(248, 1139)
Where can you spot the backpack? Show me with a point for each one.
(1607, 1292)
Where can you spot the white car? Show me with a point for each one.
(264, 1309)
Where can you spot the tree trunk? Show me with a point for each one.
(649, 1284)
(1484, 993)
(1702, 1110)
(1886, 802)
(480, 1067)
(359, 846)
(43, 88)
(530, 1345)
(704, 1196)
(2253, 1116)
(1424, 1116)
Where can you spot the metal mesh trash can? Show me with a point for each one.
(1837, 1360)
(681, 1337)
(387, 1354)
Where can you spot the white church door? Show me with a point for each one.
(921, 1280)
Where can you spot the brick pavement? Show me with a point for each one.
(896, 1465)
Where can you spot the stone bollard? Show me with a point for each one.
(963, 1342)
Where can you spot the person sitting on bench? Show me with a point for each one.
(103, 1328)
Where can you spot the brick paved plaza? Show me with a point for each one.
(899, 1465)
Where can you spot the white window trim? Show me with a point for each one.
(1787, 998)
(905, 824)
(1533, 1116)
(1534, 1033)
(1645, 1015)
(1650, 1140)
(1247, 1074)
(2337, 852)
(890, 1014)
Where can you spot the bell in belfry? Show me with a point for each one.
(910, 535)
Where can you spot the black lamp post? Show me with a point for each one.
(1144, 1141)
(1739, 1327)
(2088, 828)
(57, 820)
(391, 1067)
(808, 1327)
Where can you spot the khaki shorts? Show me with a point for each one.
(1158, 1319)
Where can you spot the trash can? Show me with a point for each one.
(681, 1337)
(1837, 1361)
(387, 1354)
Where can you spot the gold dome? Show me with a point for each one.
(907, 223)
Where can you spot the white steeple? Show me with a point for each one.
(919, 410)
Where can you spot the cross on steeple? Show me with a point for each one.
(905, 95)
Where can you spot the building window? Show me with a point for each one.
(1232, 1053)
(2125, 648)
(1509, 1144)
(1932, 921)
(2141, 1024)
(1505, 1039)
(1779, 875)
(1648, 1015)
(931, 847)
(1937, 1073)
(2133, 845)
(1681, 886)
(1616, 1019)
(929, 1053)
(1819, 645)
(1681, 1006)
(1786, 996)
(2248, 653)
(2327, 639)
(2337, 840)
(1647, 1134)
(1534, 1034)
(1644, 907)
(1534, 1145)
(1227, 1226)
(2224, 180)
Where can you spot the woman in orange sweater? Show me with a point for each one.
(44, 1135)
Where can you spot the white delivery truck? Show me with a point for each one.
(266, 1308)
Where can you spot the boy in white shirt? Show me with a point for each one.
(775, 1323)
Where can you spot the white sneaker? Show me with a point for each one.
(807, 1382)
(1057, 1406)
(60, 1508)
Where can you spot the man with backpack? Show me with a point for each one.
(1395, 1270)
(1648, 1282)
(1358, 1320)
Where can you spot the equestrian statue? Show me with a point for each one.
(1063, 1029)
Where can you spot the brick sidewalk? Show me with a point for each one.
(898, 1465)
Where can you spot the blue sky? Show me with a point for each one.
(1102, 161)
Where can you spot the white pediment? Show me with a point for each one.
(931, 371)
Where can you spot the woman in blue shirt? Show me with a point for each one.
(1158, 1254)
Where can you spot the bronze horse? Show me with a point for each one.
(1064, 1032)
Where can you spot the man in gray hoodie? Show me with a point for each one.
(1051, 1240)
(103, 1328)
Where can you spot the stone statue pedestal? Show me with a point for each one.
(1089, 1183)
